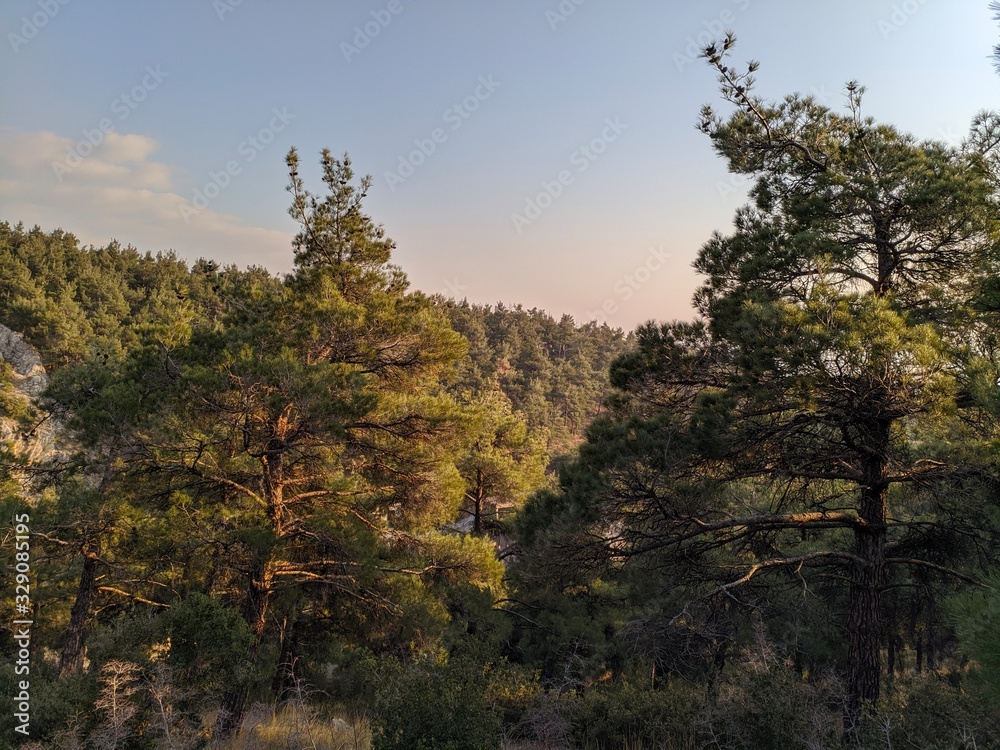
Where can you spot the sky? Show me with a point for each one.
(534, 152)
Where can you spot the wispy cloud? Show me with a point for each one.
(120, 191)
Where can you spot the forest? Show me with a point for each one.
(325, 510)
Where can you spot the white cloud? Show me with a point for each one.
(119, 148)
(119, 192)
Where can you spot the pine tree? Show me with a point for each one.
(503, 463)
(313, 425)
(826, 420)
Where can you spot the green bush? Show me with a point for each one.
(209, 643)
(763, 703)
(624, 716)
(435, 705)
(935, 713)
(54, 701)
(976, 615)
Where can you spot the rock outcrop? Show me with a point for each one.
(45, 438)
(29, 374)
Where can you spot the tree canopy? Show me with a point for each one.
(324, 509)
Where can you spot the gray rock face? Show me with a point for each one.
(29, 374)
(45, 440)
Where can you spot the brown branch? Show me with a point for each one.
(816, 520)
(133, 597)
(783, 562)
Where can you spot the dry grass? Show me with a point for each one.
(298, 726)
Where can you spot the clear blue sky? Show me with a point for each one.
(172, 91)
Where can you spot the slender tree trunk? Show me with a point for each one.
(865, 632)
(74, 649)
(477, 504)
(886, 259)
(259, 589)
(915, 634)
(864, 671)
(286, 675)
(255, 608)
(718, 666)
(71, 659)
(931, 649)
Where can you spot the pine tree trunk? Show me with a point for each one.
(931, 649)
(891, 657)
(864, 672)
(255, 607)
(286, 676)
(259, 590)
(71, 659)
(865, 632)
(864, 626)
(477, 504)
(234, 706)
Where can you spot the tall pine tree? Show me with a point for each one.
(828, 419)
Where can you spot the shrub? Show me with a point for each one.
(435, 705)
(622, 715)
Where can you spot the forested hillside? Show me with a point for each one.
(239, 448)
(274, 515)
(555, 372)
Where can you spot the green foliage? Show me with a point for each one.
(828, 421)
(68, 301)
(621, 716)
(337, 235)
(14, 408)
(763, 702)
(54, 702)
(435, 705)
(262, 507)
(976, 615)
(554, 372)
(208, 644)
(502, 463)
(933, 712)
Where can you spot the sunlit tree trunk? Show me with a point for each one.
(256, 602)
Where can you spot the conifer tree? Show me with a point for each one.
(828, 418)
